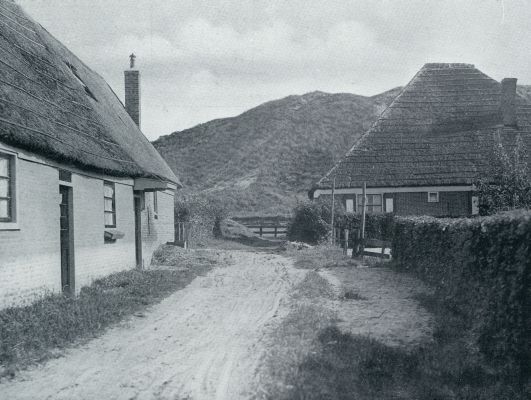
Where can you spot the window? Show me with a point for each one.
(76, 75)
(7, 198)
(110, 205)
(389, 205)
(350, 205)
(374, 203)
(433, 197)
(155, 205)
(65, 176)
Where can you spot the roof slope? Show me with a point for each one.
(439, 130)
(52, 104)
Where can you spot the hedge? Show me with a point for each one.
(482, 269)
(309, 223)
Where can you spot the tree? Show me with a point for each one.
(509, 186)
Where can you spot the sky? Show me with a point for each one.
(207, 59)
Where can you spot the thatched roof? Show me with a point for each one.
(51, 103)
(439, 130)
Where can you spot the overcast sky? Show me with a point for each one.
(206, 59)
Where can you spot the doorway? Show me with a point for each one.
(67, 240)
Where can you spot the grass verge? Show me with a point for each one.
(321, 256)
(39, 331)
(310, 358)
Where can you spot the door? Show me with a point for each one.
(138, 229)
(67, 240)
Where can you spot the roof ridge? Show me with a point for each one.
(448, 66)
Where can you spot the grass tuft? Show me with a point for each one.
(38, 331)
(314, 286)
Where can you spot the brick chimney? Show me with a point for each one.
(132, 91)
(508, 101)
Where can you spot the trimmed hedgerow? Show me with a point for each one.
(481, 267)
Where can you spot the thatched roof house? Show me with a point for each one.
(53, 104)
(63, 132)
(436, 137)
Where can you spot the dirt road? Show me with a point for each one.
(203, 342)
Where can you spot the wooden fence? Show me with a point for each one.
(276, 231)
(182, 232)
(350, 239)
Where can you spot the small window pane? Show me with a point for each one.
(4, 166)
(108, 205)
(4, 187)
(376, 199)
(109, 219)
(108, 190)
(5, 209)
(433, 197)
(350, 205)
(374, 209)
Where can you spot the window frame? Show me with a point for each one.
(11, 187)
(113, 198)
(370, 206)
(350, 201)
(436, 199)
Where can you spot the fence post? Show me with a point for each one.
(275, 231)
(345, 246)
(363, 216)
(333, 210)
(260, 230)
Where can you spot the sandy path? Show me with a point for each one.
(202, 342)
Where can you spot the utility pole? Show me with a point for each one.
(332, 219)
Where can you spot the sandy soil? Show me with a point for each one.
(387, 310)
(203, 342)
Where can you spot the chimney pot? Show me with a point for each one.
(132, 91)
(508, 101)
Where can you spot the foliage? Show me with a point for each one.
(509, 187)
(33, 333)
(203, 215)
(481, 267)
(308, 223)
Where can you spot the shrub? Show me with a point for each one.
(308, 224)
(508, 186)
(203, 215)
(377, 226)
(482, 269)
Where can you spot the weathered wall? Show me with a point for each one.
(450, 204)
(157, 229)
(93, 257)
(458, 203)
(30, 262)
(29, 257)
